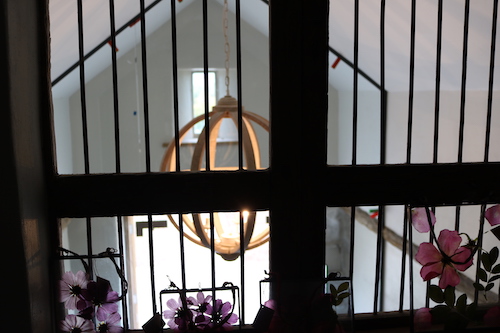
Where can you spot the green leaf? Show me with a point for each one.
(343, 295)
(494, 278)
(343, 286)
(440, 312)
(333, 291)
(485, 259)
(337, 302)
(478, 286)
(449, 296)
(481, 274)
(471, 311)
(489, 286)
(436, 294)
(493, 255)
(462, 304)
(496, 269)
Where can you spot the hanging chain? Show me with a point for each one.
(227, 49)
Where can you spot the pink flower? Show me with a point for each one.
(75, 324)
(111, 324)
(444, 261)
(492, 214)
(492, 316)
(71, 287)
(420, 220)
(422, 319)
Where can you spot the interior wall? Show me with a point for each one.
(99, 94)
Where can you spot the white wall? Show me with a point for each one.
(99, 94)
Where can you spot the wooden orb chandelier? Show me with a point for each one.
(226, 225)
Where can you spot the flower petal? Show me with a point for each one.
(492, 316)
(462, 258)
(492, 214)
(420, 220)
(423, 319)
(449, 277)
(431, 271)
(172, 304)
(449, 241)
(427, 254)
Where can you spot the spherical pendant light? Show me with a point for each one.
(227, 236)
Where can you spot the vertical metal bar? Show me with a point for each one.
(403, 258)
(410, 250)
(145, 87)
(181, 245)
(89, 247)
(84, 127)
(354, 132)
(242, 267)
(115, 84)
(212, 253)
(412, 79)
(438, 79)
(83, 99)
(351, 256)
(238, 80)
(355, 84)
(479, 244)
(490, 81)
(205, 76)
(175, 84)
(152, 263)
(462, 99)
(464, 80)
(121, 250)
(377, 300)
(437, 99)
(378, 264)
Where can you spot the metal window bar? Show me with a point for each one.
(115, 85)
(462, 98)
(354, 132)
(145, 89)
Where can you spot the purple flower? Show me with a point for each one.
(492, 214)
(111, 324)
(221, 315)
(75, 324)
(178, 317)
(102, 297)
(200, 304)
(71, 288)
(420, 220)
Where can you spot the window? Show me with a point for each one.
(198, 82)
(318, 164)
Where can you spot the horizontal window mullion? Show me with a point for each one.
(416, 184)
(127, 194)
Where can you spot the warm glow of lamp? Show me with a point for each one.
(226, 225)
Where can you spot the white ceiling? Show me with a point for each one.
(64, 39)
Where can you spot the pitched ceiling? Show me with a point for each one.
(64, 39)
